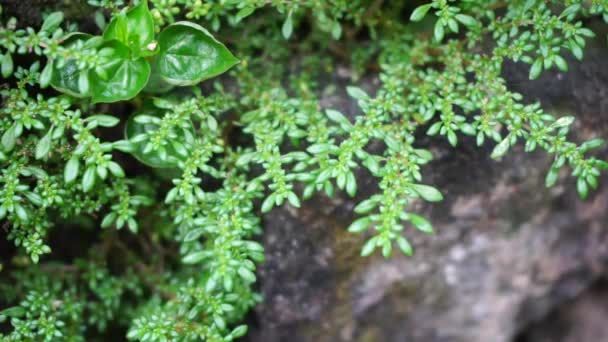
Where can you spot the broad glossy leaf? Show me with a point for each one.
(123, 77)
(65, 78)
(153, 159)
(156, 84)
(189, 54)
(134, 28)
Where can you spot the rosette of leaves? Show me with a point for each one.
(129, 57)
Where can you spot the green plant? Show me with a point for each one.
(196, 165)
(117, 65)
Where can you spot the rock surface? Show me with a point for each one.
(508, 254)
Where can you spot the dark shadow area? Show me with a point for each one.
(582, 319)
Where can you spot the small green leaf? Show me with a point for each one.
(570, 10)
(189, 54)
(244, 13)
(336, 30)
(582, 188)
(434, 129)
(586, 32)
(561, 63)
(592, 181)
(103, 120)
(194, 257)
(500, 149)
(318, 148)
(592, 144)
(194, 234)
(452, 138)
(577, 51)
(7, 65)
(246, 274)
(427, 192)
(420, 12)
(359, 225)
(116, 169)
(351, 184)
(15, 311)
(439, 31)
(552, 177)
(108, 220)
(52, 21)
(93, 43)
(563, 122)
(421, 223)
(357, 93)
(467, 20)
(102, 171)
(452, 25)
(46, 74)
(239, 331)
(83, 82)
(536, 69)
(71, 169)
(21, 213)
(405, 246)
(44, 145)
(100, 20)
(338, 117)
(287, 28)
(219, 322)
(124, 146)
(88, 179)
(34, 198)
(9, 138)
(268, 203)
(368, 247)
(293, 199)
(366, 206)
(387, 248)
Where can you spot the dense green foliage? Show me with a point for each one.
(128, 136)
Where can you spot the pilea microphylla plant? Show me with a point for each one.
(114, 128)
